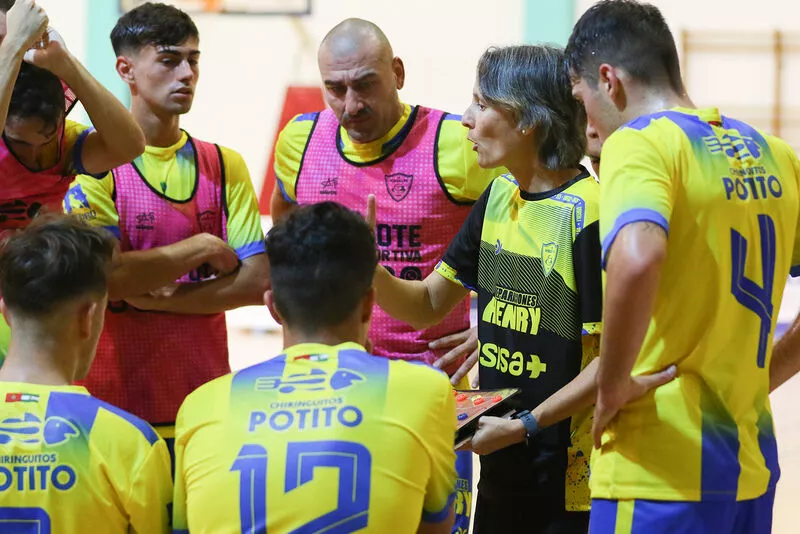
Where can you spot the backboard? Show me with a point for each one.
(240, 7)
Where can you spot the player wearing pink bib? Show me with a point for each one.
(415, 160)
(420, 215)
(158, 342)
(186, 217)
(40, 151)
(421, 169)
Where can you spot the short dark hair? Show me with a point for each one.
(5, 5)
(532, 83)
(152, 24)
(627, 34)
(54, 260)
(38, 93)
(322, 261)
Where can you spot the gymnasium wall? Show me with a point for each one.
(248, 61)
(732, 59)
(735, 15)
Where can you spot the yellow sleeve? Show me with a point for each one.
(244, 219)
(149, 502)
(458, 164)
(440, 492)
(636, 185)
(92, 199)
(180, 520)
(74, 136)
(289, 153)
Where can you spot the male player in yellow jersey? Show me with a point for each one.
(419, 165)
(698, 219)
(40, 151)
(324, 437)
(184, 211)
(69, 463)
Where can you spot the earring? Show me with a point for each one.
(523, 131)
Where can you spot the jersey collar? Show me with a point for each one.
(304, 351)
(165, 153)
(363, 152)
(582, 174)
(710, 115)
(12, 388)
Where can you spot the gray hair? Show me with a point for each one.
(532, 83)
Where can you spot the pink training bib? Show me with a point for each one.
(24, 192)
(416, 220)
(148, 362)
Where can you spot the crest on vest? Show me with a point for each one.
(207, 221)
(398, 185)
(549, 254)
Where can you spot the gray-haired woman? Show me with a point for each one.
(530, 249)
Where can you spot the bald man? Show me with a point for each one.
(422, 170)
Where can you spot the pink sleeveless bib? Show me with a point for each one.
(148, 362)
(24, 192)
(416, 219)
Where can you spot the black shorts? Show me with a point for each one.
(533, 515)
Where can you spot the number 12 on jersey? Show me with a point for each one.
(352, 460)
(755, 298)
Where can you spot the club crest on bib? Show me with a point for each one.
(208, 221)
(549, 255)
(398, 185)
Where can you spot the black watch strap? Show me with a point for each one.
(529, 422)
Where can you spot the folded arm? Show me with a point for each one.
(245, 287)
(138, 272)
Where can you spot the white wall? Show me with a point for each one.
(733, 15)
(69, 18)
(742, 83)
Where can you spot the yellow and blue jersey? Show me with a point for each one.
(70, 463)
(727, 196)
(316, 437)
(172, 172)
(456, 162)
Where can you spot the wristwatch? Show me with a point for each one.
(529, 422)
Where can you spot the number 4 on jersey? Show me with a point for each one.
(755, 298)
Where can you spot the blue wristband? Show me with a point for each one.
(529, 422)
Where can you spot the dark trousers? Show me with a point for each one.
(528, 515)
